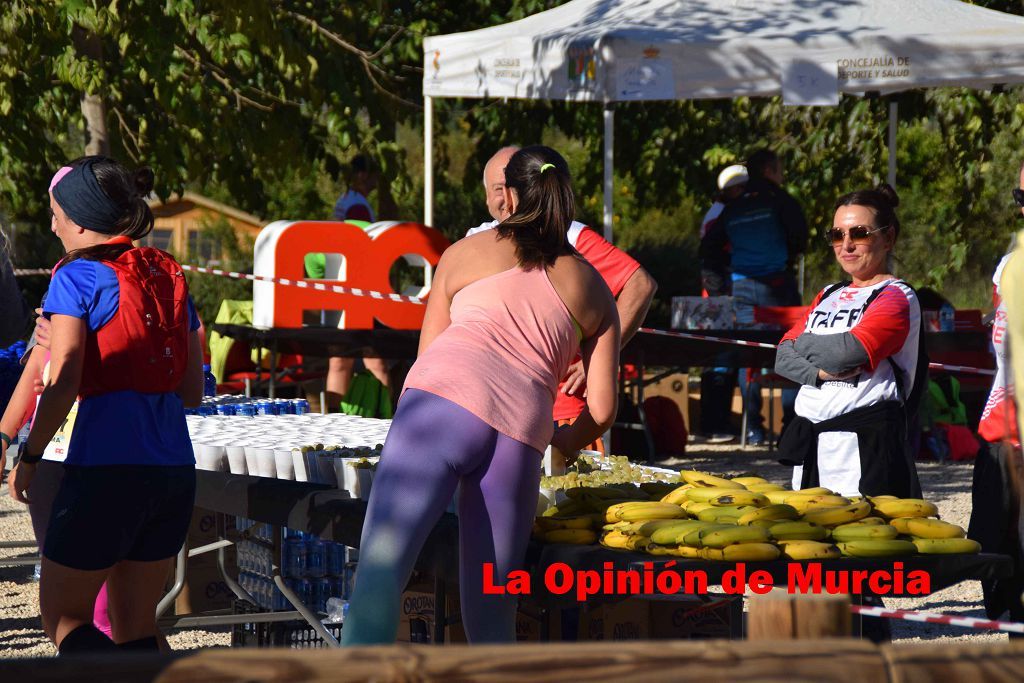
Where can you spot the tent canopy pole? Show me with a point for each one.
(609, 167)
(428, 160)
(893, 120)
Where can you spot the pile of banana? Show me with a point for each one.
(747, 518)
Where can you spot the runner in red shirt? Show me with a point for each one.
(631, 285)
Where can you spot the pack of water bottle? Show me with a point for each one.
(255, 565)
(249, 407)
(317, 570)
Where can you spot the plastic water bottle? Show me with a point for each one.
(294, 559)
(336, 610)
(947, 317)
(316, 558)
(209, 382)
(335, 559)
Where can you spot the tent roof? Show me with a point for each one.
(613, 50)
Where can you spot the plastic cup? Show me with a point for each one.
(325, 467)
(211, 457)
(236, 459)
(299, 465)
(356, 480)
(265, 461)
(283, 463)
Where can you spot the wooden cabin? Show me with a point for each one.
(180, 221)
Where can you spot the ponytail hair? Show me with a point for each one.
(127, 191)
(883, 200)
(546, 206)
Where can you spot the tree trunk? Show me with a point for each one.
(94, 109)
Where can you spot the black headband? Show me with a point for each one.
(85, 202)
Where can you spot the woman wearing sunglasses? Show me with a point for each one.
(857, 355)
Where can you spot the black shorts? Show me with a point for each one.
(106, 514)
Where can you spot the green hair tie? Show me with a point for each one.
(545, 167)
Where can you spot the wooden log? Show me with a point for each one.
(1000, 662)
(779, 615)
(641, 661)
(790, 661)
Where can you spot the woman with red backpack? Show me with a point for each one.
(124, 341)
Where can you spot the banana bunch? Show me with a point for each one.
(809, 550)
(730, 514)
(831, 516)
(705, 479)
(922, 527)
(551, 523)
(863, 532)
(617, 539)
(877, 548)
(768, 514)
(946, 546)
(742, 552)
(893, 508)
(797, 531)
(634, 511)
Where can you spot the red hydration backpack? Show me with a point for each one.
(144, 347)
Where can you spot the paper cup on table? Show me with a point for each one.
(236, 459)
(284, 465)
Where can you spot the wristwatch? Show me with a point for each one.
(27, 457)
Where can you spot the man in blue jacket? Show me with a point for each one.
(760, 236)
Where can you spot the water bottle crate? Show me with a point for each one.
(296, 634)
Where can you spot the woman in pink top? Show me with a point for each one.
(507, 311)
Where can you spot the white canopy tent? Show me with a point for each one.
(808, 50)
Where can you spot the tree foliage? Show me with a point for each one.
(259, 103)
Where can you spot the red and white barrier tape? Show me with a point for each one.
(763, 345)
(936, 618)
(355, 291)
(305, 284)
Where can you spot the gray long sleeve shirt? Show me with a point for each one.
(836, 354)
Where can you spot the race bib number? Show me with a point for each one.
(57, 449)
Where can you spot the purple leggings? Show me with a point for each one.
(433, 446)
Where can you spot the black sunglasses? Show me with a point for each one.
(859, 234)
(1018, 196)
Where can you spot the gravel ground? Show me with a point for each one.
(948, 485)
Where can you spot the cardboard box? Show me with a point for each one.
(530, 622)
(628, 619)
(204, 590)
(690, 617)
(416, 620)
